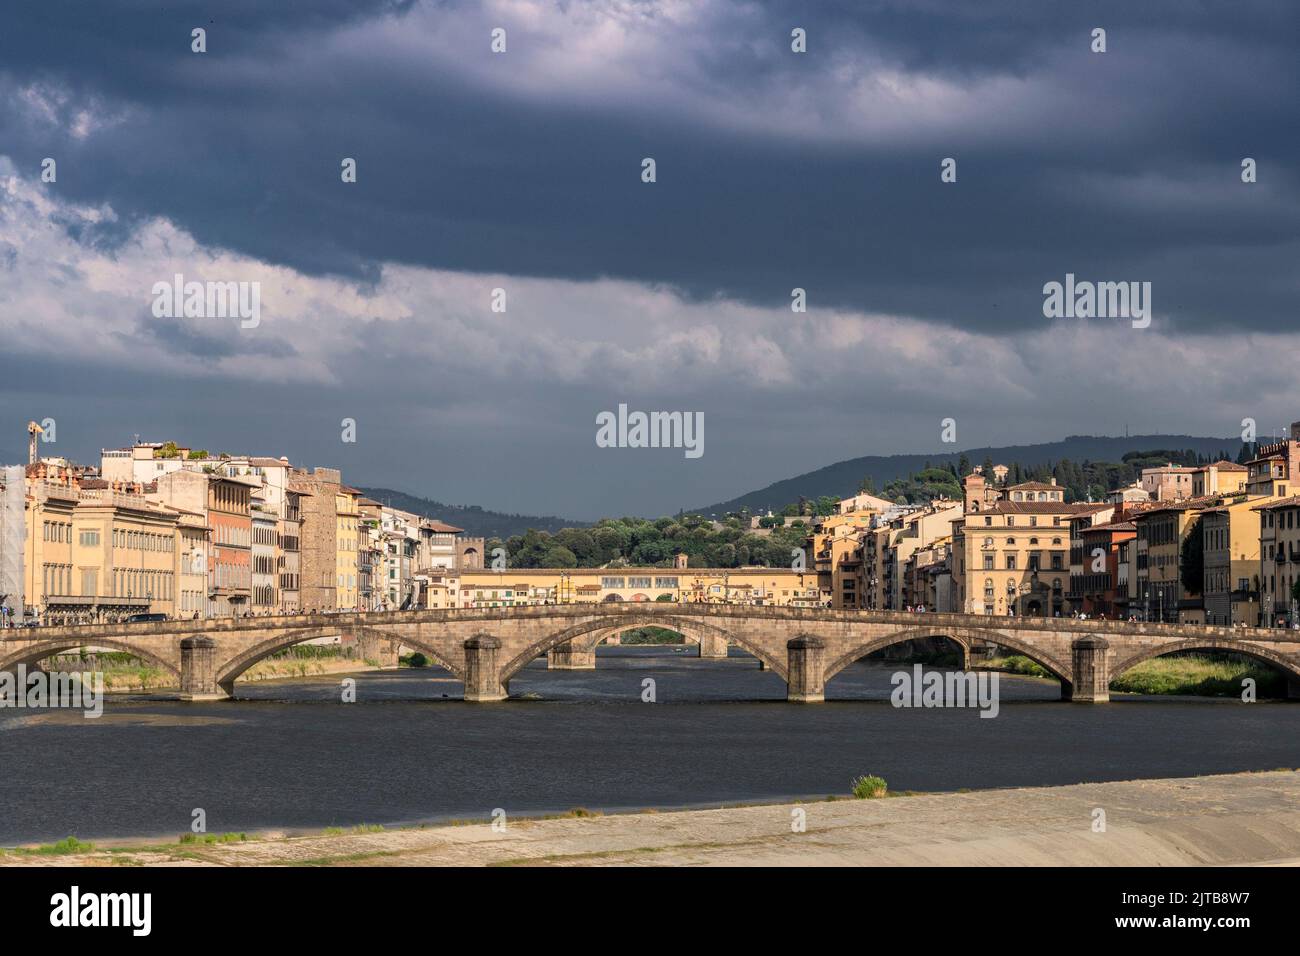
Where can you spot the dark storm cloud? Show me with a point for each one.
(241, 147)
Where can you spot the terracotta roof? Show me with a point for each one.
(1226, 465)
(441, 526)
(1291, 502)
(1112, 526)
(1035, 486)
(1036, 507)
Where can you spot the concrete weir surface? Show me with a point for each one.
(1249, 818)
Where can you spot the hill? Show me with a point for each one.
(477, 522)
(843, 478)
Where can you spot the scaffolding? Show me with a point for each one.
(13, 541)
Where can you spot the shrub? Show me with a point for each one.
(869, 788)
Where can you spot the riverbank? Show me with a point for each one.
(125, 674)
(1184, 675)
(1231, 819)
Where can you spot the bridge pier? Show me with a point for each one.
(713, 646)
(807, 667)
(199, 670)
(380, 650)
(483, 669)
(569, 656)
(1091, 671)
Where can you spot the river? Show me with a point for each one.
(290, 755)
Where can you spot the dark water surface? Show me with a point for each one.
(291, 755)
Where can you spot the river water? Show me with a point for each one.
(291, 755)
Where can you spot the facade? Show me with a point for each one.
(96, 551)
(1230, 536)
(1161, 534)
(290, 553)
(1168, 482)
(1279, 561)
(265, 577)
(319, 549)
(1096, 588)
(1275, 470)
(521, 587)
(1013, 557)
(13, 543)
(1220, 478)
(230, 572)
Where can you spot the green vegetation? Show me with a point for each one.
(414, 660)
(1196, 674)
(1019, 664)
(620, 542)
(870, 788)
(652, 635)
(368, 828)
(213, 838)
(1081, 480)
(65, 846)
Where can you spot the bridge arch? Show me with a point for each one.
(1288, 666)
(38, 652)
(962, 636)
(229, 671)
(602, 627)
(589, 642)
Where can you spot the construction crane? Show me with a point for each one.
(33, 430)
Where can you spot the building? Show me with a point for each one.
(13, 542)
(1220, 478)
(1230, 536)
(1161, 535)
(318, 492)
(1275, 470)
(264, 555)
(1168, 482)
(1012, 557)
(1279, 561)
(1100, 586)
(230, 515)
(516, 587)
(96, 550)
(290, 552)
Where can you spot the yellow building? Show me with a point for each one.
(1279, 560)
(1012, 557)
(518, 587)
(97, 552)
(1230, 534)
(1161, 533)
(347, 537)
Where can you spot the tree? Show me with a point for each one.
(1193, 561)
(559, 557)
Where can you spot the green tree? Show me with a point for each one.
(1192, 561)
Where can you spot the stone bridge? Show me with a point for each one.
(486, 647)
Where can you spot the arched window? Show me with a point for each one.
(1011, 540)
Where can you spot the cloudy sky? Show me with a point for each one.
(522, 171)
